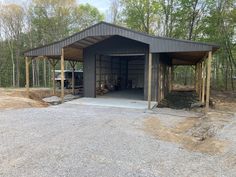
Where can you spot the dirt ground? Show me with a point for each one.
(17, 98)
(224, 101)
(196, 133)
(193, 133)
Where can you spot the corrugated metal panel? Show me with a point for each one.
(157, 44)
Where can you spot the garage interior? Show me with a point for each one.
(120, 76)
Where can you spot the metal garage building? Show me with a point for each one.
(137, 60)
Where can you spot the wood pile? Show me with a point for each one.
(101, 91)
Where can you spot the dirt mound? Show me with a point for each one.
(179, 100)
(195, 134)
(17, 98)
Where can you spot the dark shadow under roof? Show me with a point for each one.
(103, 30)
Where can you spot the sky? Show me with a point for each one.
(102, 5)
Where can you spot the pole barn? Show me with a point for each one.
(141, 64)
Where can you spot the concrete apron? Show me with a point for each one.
(113, 102)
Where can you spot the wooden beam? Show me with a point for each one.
(62, 75)
(196, 78)
(53, 64)
(208, 84)
(203, 81)
(45, 71)
(200, 81)
(27, 63)
(73, 64)
(160, 82)
(73, 81)
(53, 80)
(149, 80)
(170, 78)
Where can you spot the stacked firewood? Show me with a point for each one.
(102, 90)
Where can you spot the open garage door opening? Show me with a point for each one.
(120, 76)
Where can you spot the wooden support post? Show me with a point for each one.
(53, 64)
(162, 81)
(44, 72)
(149, 80)
(73, 80)
(203, 81)
(73, 64)
(197, 78)
(159, 83)
(170, 78)
(208, 84)
(53, 80)
(62, 75)
(27, 63)
(200, 81)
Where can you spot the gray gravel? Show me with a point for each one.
(55, 100)
(75, 140)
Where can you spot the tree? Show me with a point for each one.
(53, 20)
(50, 20)
(219, 27)
(114, 12)
(141, 15)
(168, 16)
(188, 15)
(85, 16)
(12, 19)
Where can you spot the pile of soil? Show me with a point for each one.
(179, 100)
(17, 98)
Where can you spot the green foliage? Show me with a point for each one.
(198, 20)
(141, 15)
(85, 16)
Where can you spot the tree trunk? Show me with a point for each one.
(226, 77)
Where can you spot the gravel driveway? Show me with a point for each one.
(75, 140)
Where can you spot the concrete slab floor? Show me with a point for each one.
(133, 94)
(112, 102)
